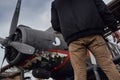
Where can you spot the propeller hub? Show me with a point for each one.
(6, 42)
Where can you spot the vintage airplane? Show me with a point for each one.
(45, 52)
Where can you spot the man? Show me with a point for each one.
(82, 24)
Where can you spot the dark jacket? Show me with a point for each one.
(81, 18)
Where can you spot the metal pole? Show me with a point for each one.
(93, 61)
(22, 75)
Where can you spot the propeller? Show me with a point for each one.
(23, 48)
(19, 46)
(15, 18)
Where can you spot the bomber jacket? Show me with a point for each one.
(81, 18)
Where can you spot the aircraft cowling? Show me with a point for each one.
(41, 40)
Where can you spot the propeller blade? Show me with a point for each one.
(23, 48)
(1, 40)
(15, 18)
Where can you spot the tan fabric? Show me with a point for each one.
(96, 45)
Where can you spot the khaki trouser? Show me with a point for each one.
(96, 45)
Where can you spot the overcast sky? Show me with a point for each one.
(34, 13)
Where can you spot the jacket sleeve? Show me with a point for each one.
(55, 19)
(107, 16)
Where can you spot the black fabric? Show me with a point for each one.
(81, 18)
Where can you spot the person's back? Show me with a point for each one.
(79, 18)
(82, 23)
